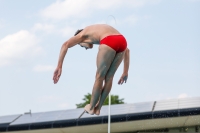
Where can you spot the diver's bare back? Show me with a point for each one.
(97, 32)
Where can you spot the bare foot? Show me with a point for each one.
(97, 111)
(87, 109)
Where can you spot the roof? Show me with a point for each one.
(119, 113)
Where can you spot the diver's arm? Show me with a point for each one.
(68, 44)
(124, 76)
(126, 60)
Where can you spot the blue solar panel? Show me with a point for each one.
(38, 117)
(8, 119)
(27, 118)
(72, 114)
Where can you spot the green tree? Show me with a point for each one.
(114, 100)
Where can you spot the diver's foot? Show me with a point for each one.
(87, 109)
(97, 111)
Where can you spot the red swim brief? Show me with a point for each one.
(116, 42)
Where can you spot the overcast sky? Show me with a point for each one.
(163, 37)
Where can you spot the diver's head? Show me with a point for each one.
(86, 45)
(83, 44)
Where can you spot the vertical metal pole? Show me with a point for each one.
(109, 99)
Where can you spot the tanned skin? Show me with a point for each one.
(107, 62)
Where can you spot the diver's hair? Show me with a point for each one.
(78, 31)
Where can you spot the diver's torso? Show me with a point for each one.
(95, 33)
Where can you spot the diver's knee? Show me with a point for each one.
(100, 76)
(108, 78)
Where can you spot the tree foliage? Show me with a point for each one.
(114, 100)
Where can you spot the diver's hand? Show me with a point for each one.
(57, 74)
(123, 78)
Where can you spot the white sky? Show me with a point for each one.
(163, 37)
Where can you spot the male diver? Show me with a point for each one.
(112, 50)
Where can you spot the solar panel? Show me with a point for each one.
(71, 114)
(141, 107)
(177, 104)
(37, 117)
(27, 118)
(189, 102)
(119, 109)
(166, 105)
(8, 119)
(49, 116)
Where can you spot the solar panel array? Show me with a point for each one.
(8, 119)
(75, 113)
(115, 110)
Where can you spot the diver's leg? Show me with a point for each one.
(108, 80)
(105, 57)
